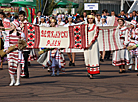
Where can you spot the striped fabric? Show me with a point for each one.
(122, 56)
(55, 57)
(32, 55)
(32, 33)
(6, 24)
(77, 34)
(15, 57)
(52, 59)
(109, 39)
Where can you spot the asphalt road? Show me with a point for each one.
(73, 86)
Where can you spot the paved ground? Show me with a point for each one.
(73, 86)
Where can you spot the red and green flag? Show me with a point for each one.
(30, 14)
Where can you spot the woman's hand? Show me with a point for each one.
(7, 51)
(124, 47)
(87, 47)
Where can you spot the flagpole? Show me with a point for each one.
(122, 5)
(44, 7)
(39, 4)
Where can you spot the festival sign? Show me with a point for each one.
(56, 37)
(73, 37)
(91, 6)
(53, 37)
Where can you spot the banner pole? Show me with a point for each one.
(44, 7)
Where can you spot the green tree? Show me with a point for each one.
(51, 4)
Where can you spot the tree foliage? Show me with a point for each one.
(51, 4)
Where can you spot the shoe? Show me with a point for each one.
(129, 69)
(120, 72)
(1, 68)
(57, 74)
(17, 83)
(73, 64)
(137, 74)
(70, 63)
(27, 76)
(29, 64)
(101, 60)
(12, 82)
(108, 60)
(123, 71)
(89, 75)
(53, 75)
(48, 69)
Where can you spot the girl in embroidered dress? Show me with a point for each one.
(103, 24)
(15, 58)
(91, 54)
(136, 50)
(43, 22)
(53, 59)
(132, 42)
(121, 57)
(56, 60)
(59, 22)
(72, 59)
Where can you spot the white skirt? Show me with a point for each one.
(121, 57)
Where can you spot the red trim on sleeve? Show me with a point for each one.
(96, 35)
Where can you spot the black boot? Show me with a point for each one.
(73, 64)
(70, 63)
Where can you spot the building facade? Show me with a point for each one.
(110, 5)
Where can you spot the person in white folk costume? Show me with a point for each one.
(53, 59)
(57, 58)
(59, 22)
(103, 23)
(91, 54)
(121, 57)
(70, 22)
(43, 22)
(6, 23)
(132, 42)
(136, 50)
(72, 59)
(15, 58)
